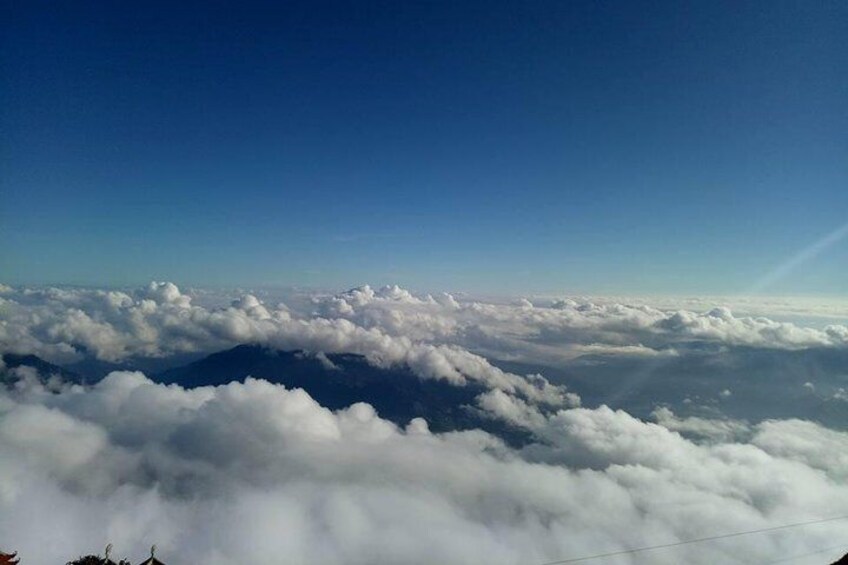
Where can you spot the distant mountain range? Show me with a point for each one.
(339, 380)
(334, 380)
(45, 369)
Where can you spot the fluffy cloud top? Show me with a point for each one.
(249, 472)
(389, 325)
(159, 320)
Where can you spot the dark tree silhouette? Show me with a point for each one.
(97, 560)
(91, 560)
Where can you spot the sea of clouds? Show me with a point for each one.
(255, 473)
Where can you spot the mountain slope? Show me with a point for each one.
(45, 370)
(339, 380)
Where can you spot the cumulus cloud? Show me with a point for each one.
(389, 324)
(249, 472)
(458, 339)
(159, 320)
(563, 329)
(714, 429)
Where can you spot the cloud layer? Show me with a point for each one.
(60, 325)
(385, 324)
(251, 472)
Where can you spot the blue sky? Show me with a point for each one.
(591, 147)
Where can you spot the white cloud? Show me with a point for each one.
(567, 328)
(713, 429)
(159, 320)
(249, 472)
(388, 323)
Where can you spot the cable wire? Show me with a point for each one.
(698, 540)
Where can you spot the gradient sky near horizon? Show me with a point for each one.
(593, 147)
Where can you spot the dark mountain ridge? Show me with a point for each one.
(338, 380)
(44, 368)
(334, 380)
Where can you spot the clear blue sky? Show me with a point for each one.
(667, 147)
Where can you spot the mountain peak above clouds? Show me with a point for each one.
(338, 380)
